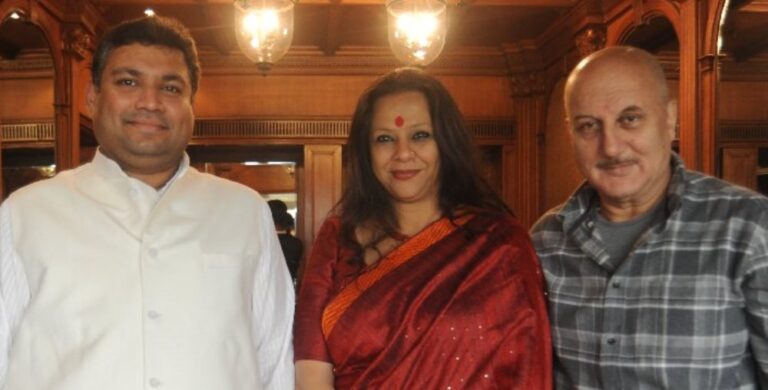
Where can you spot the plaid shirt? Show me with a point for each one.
(687, 309)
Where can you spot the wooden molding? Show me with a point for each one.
(528, 84)
(28, 132)
(591, 39)
(486, 131)
(78, 42)
(734, 131)
(27, 61)
(756, 69)
(266, 128)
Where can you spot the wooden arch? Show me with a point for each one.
(36, 14)
(627, 22)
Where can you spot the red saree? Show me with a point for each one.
(453, 307)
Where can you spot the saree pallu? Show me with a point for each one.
(457, 306)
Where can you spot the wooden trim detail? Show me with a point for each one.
(499, 131)
(743, 131)
(502, 130)
(28, 132)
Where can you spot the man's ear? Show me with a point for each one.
(672, 118)
(568, 127)
(90, 98)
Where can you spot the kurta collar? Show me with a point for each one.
(128, 200)
(111, 168)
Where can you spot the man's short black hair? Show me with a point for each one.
(149, 31)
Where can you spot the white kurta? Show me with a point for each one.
(107, 283)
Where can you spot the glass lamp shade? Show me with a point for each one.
(416, 30)
(264, 30)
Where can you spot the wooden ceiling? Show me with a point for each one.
(332, 32)
(330, 26)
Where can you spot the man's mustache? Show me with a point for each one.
(613, 163)
(148, 118)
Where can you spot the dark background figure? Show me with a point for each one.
(292, 247)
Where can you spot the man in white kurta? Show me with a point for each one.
(136, 271)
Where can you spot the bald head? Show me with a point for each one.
(622, 123)
(619, 62)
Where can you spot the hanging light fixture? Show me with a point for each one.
(264, 30)
(417, 30)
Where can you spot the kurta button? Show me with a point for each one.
(611, 341)
(154, 382)
(153, 315)
(152, 252)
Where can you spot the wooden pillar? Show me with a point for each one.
(321, 186)
(521, 188)
(77, 51)
(710, 74)
(688, 135)
(698, 88)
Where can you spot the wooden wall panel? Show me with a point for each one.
(560, 174)
(321, 186)
(26, 99)
(265, 179)
(743, 101)
(239, 96)
(479, 96)
(522, 192)
(292, 96)
(740, 166)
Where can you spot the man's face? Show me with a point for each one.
(142, 109)
(621, 133)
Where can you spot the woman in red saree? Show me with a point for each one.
(421, 279)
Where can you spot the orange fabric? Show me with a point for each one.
(394, 259)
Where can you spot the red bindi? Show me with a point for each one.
(399, 121)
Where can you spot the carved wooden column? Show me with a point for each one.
(321, 187)
(708, 125)
(697, 88)
(522, 165)
(709, 76)
(77, 48)
(590, 39)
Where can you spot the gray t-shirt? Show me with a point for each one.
(620, 237)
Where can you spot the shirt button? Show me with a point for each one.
(615, 284)
(152, 252)
(611, 341)
(154, 382)
(132, 192)
(153, 315)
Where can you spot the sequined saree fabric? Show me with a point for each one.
(458, 306)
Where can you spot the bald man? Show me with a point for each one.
(657, 275)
